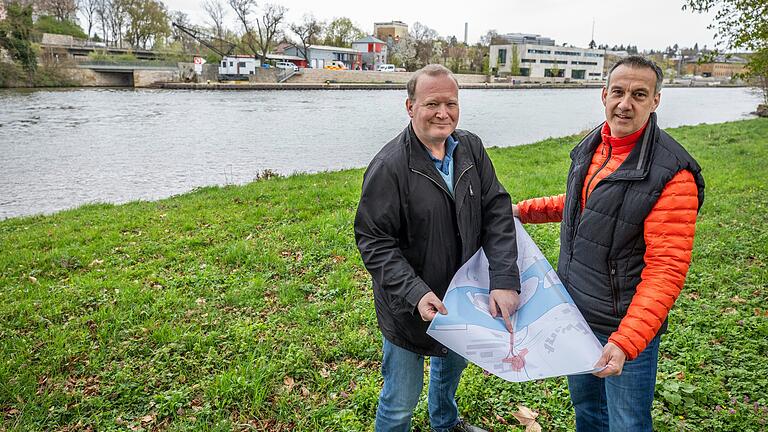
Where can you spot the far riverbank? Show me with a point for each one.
(331, 85)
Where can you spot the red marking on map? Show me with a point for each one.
(516, 360)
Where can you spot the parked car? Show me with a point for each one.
(386, 68)
(286, 65)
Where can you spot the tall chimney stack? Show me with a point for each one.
(466, 30)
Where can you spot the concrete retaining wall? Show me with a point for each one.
(351, 76)
(146, 78)
(265, 75)
(91, 78)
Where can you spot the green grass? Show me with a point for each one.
(248, 308)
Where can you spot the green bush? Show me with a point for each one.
(11, 75)
(103, 56)
(49, 76)
(49, 24)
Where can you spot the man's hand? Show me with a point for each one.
(429, 306)
(515, 211)
(613, 359)
(504, 302)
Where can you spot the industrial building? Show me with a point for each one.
(390, 32)
(538, 57)
(322, 55)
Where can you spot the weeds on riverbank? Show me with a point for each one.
(248, 308)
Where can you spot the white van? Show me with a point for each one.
(386, 68)
(286, 65)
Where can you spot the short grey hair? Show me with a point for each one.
(432, 70)
(639, 62)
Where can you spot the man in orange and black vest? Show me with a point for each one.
(627, 225)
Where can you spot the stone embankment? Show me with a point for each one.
(324, 79)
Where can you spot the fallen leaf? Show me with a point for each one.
(527, 418)
(304, 391)
(33, 279)
(738, 300)
(501, 419)
(96, 262)
(324, 373)
(289, 383)
(147, 419)
(196, 404)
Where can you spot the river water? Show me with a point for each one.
(63, 148)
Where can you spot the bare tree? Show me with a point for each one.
(308, 32)
(423, 38)
(89, 10)
(117, 16)
(188, 43)
(62, 10)
(244, 9)
(268, 27)
(216, 15)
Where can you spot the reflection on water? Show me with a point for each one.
(62, 148)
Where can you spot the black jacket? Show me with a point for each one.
(602, 247)
(413, 235)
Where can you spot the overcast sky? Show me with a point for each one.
(649, 24)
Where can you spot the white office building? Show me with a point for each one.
(547, 61)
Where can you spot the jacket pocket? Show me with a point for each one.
(614, 287)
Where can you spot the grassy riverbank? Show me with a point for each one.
(248, 308)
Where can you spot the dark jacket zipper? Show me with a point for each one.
(589, 183)
(471, 193)
(614, 290)
(433, 181)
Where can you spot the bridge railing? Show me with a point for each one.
(128, 63)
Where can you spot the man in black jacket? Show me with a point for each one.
(430, 200)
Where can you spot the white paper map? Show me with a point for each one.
(551, 338)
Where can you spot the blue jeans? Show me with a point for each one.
(403, 373)
(617, 403)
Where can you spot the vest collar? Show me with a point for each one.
(621, 145)
(636, 164)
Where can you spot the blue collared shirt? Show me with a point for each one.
(445, 166)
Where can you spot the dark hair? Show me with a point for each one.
(430, 70)
(636, 61)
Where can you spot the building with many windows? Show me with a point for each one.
(547, 61)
